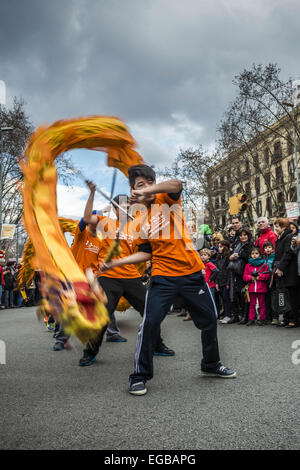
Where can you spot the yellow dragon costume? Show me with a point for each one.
(75, 298)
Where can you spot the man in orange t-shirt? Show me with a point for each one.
(85, 248)
(176, 270)
(125, 281)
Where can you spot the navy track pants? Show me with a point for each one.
(199, 303)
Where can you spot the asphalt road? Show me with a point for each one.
(48, 402)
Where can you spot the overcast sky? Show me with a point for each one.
(164, 66)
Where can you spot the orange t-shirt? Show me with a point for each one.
(109, 229)
(163, 227)
(86, 248)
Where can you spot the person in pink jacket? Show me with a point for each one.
(256, 273)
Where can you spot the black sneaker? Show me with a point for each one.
(233, 320)
(87, 360)
(260, 322)
(58, 347)
(116, 339)
(137, 388)
(282, 324)
(164, 351)
(250, 322)
(221, 371)
(291, 325)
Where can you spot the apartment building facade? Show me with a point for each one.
(264, 169)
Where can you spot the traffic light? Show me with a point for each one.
(243, 198)
(238, 204)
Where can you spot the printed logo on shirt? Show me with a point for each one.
(163, 220)
(91, 247)
(201, 291)
(126, 236)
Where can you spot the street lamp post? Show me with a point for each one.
(290, 105)
(2, 129)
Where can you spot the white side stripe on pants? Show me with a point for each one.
(216, 312)
(140, 336)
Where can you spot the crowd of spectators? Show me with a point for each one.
(254, 279)
(11, 296)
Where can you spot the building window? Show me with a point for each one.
(255, 160)
(247, 167)
(248, 189)
(258, 209)
(279, 174)
(223, 221)
(290, 147)
(268, 180)
(291, 169)
(293, 194)
(266, 156)
(280, 199)
(269, 206)
(277, 150)
(257, 185)
(280, 202)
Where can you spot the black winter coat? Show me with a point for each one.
(286, 261)
(9, 281)
(223, 276)
(245, 252)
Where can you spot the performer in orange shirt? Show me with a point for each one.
(85, 248)
(176, 270)
(125, 281)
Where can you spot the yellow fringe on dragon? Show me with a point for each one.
(74, 298)
(28, 265)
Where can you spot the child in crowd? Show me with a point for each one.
(214, 242)
(230, 234)
(256, 274)
(222, 279)
(269, 255)
(211, 270)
